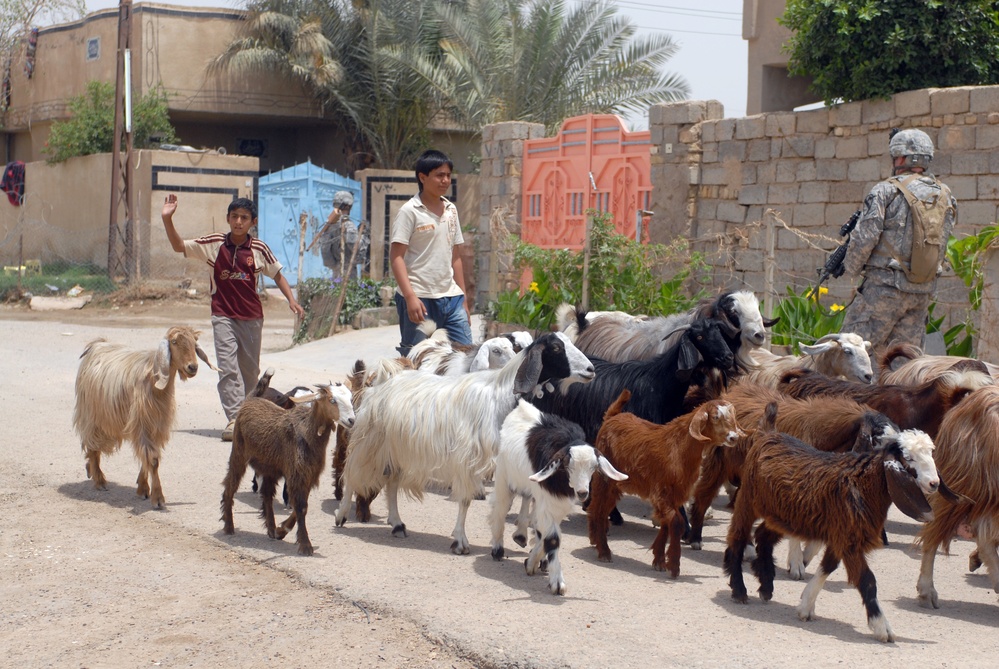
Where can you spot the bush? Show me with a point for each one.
(318, 297)
(60, 275)
(91, 128)
(803, 319)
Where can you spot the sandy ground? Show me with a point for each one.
(99, 579)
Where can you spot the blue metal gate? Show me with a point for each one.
(282, 197)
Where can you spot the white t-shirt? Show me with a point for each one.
(430, 240)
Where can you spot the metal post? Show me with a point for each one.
(768, 273)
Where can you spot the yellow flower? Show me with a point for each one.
(823, 290)
(534, 287)
(836, 307)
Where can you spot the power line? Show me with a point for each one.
(692, 32)
(683, 11)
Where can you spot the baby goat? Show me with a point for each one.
(126, 394)
(546, 458)
(663, 462)
(841, 499)
(285, 443)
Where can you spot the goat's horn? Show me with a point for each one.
(673, 332)
(833, 336)
(305, 398)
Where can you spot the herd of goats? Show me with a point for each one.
(816, 446)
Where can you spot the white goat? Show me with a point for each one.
(417, 428)
(843, 354)
(439, 355)
(545, 458)
(127, 394)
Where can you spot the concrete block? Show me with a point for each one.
(708, 131)
(731, 212)
(798, 147)
(830, 170)
(766, 173)
(877, 111)
(973, 215)
(986, 188)
(754, 213)
(825, 148)
(749, 260)
(913, 103)
(710, 154)
(780, 124)
(969, 163)
(788, 241)
(809, 215)
(731, 150)
(787, 171)
(868, 169)
(725, 129)
(846, 114)
(815, 120)
(805, 171)
(838, 214)
(852, 147)
(679, 113)
(689, 134)
(950, 101)
(782, 193)
(986, 137)
(707, 209)
(748, 175)
(715, 110)
(756, 194)
(751, 127)
(966, 188)
(714, 175)
(984, 99)
(847, 191)
(813, 191)
(758, 150)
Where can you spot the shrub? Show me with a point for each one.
(803, 319)
(318, 297)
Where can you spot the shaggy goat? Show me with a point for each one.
(844, 355)
(441, 356)
(919, 407)
(919, 368)
(283, 400)
(416, 428)
(544, 458)
(289, 443)
(967, 454)
(126, 394)
(662, 461)
(841, 499)
(616, 340)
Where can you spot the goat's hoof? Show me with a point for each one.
(616, 518)
(340, 522)
(86, 466)
(766, 595)
(881, 629)
(305, 549)
(520, 540)
(543, 566)
(974, 562)
(740, 597)
(929, 600)
(399, 530)
(498, 553)
(695, 545)
(659, 566)
(280, 533)
(606, 557)
(805, 616)
(796, 572)
(459, 548)
(674, 572)
(229, 529)
(557, 588)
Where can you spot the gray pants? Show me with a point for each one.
(237, 351)
(884, 315)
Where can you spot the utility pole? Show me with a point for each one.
(123, 233)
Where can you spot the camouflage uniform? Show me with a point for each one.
(888, 306)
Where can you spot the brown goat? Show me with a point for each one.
(841, 499)
(289, 443)
(124, 394)
(967, 456)
(831, 424)
(919, 407)
(662, 463)
(919, 368)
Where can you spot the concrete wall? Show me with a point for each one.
(66, 210)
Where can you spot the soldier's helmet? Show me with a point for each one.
(915, 145)
(343, 199)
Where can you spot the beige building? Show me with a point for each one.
(769, 86)
(267, 117)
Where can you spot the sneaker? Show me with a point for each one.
(227, 432)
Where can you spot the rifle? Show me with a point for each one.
(834, 264)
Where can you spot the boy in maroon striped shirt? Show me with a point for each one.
(236, 260)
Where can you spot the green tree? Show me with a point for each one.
(860, 49)
(18, 16)
(91, 127)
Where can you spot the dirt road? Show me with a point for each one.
(98, 579)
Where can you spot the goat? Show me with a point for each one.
(662, 461)
(841, 499)
(844, 355)
(616, 340)
(414, 428)
(439, 355)
(544, 458)
(920, 368)
(967, 454)
(283, 400)
(919, 407)
(127, 394)
(289, 443)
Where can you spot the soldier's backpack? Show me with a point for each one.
(928, 217)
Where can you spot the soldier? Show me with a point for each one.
(338, 237)
(898, 245)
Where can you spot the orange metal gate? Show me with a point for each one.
(592, 163)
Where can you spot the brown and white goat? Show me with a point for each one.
(289, 443)
(919, 407)
(662, 462)
(124, 394)
(919, 368)
(841, 499)
(967, 455)
(842, 354)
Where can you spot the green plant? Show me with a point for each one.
(91, 128)
(60, 275)
(623, 275)
(803, 319)
(860, 49)
(318, 296)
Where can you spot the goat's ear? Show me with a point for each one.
(481, 360)
(201, 354)
(951, 496)
(905, 492)
(770, 322)
(161, 365)
(557, 461)
(698, 424)
(608, 469)
(529, 371)
(689, 356)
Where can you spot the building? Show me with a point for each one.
(769, 86)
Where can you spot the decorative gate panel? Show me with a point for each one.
(592, 163)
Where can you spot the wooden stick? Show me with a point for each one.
(343, 283)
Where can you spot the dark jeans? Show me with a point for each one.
(446, 312)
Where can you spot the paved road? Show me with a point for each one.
(430, 606)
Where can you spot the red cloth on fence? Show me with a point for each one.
(13, 182)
